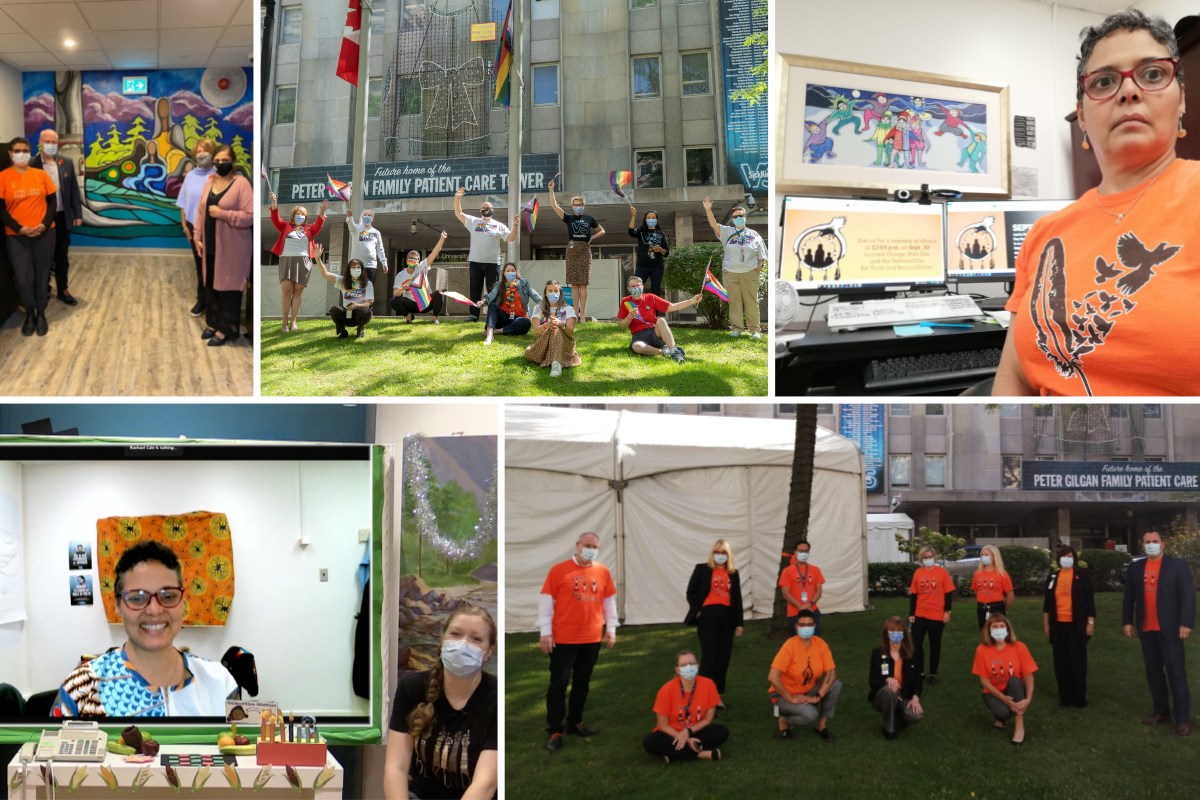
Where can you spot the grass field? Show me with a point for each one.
(1099, 752)
(395, 358)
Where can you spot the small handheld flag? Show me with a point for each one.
(531, 214)
(339, 190)
(619, 178)
(263, 171)
(712, 285)
(420, 292)
(632, 308)
(459, 298)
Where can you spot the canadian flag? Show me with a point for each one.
(347, 65)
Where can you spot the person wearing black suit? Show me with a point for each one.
(70, 207)
(894, 678)
(1160, 600)
(714, 596)
(1069, 619)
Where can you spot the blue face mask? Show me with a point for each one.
(50, 149)
(739, 222)
(896, 637)
(651, 224)
(299, 219)
(635, 291)
(689, 671)
(552, 297)
(805, 631)
(510, 276)
(577, 209)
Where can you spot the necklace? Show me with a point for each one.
(1123, 214)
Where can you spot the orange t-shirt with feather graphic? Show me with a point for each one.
(1103, 306)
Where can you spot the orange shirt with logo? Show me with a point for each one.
(799, 578)
(1093, 294)
(931, 585)
(718, 592)
(800, 664)
(1062, 594)
(1150, 585)
(579, 594)
(990, 586)
(997, 665)
(24, 194)
(683, 710)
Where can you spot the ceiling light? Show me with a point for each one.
(68, 42)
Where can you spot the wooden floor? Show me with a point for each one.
(130, 336)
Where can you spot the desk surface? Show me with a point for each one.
(271, 782)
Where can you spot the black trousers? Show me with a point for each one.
(570, 664)
(403, 306)
(1069, 644)
(651, 275)
(199, 266)
(481, 273)
(715, 629)
(895, 710)
(934, 628)
(30, 257)
(982, 609)
(62, 244)
(358, 318)
(1163, 656)
(661, 744)
(221, 309)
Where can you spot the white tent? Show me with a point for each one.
(881, 536)
(659, 489)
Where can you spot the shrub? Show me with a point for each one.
(1184, 542)
(685, 273)
(886, 578)
(947, 548)
(1105, 566)
(1027, 566)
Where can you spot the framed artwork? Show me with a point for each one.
(846, 127)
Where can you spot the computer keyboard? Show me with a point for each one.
(901, 311)
(931, 369)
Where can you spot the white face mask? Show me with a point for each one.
(689, 671)
(355, 272)
(589, 553)
(21, 159)
(802, 557)
(1066, 562)
(928, 562)
(552, 297)
(999, 634)
(1153, 548)
(462, 658)
(985, 560)
(720, 558)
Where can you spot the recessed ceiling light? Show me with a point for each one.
(68, 42)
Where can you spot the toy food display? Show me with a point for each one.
(133, 743)
(233, 743)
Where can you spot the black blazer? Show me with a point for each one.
(72, 207)
(698, 588)
(1083, 599)
(911, 682)
(1176, 596)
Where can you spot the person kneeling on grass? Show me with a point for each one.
(358, 294)
(651, 334)
(509, 302)
(414, 268)
(684, 711)
(554, 322)
(803, 678)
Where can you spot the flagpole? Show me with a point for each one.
(359, 145)
(514, 137)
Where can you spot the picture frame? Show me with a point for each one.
(834, 130)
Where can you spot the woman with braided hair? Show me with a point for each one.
(443, 738)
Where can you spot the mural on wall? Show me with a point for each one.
(39, 93)
(138, 148)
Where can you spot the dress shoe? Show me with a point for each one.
(1156, 719)
(581, 730)
(208, 333)
(29, 323)
(197, 309)
(216, 341)
(42, 326)
(1183, 729)
(66, 297)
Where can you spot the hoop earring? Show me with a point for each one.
(1182, 132)
(1086, 146)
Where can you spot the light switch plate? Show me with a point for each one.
(324, 575)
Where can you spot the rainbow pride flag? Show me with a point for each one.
(502, 68)
(619, 178)
(633, 310)
(713, 285)
(420, 292)
(340, 190)
(531, 212)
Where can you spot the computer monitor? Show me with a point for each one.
(848, 247)
(984, 238)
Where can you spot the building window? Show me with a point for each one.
(1118, 411)
(1047, 458)
(647, 77)
(825, 408)
(374, 96)
(935, 410)
(285, 105)
(1010, 409)
(786, 410)
(643, 3)
(289, 26)
(545, 84)
(1152, 411)
(899, 469)
(1043, 410)
(672, 408)
(935, 472)
(650, 173)
(710, 408)
(1120, 458)
(407, 94)
(377, 17)
(1010, 472)
(1155, 459)
(899, 409)
(695, 72)
(700, 163)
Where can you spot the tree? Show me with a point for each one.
(240, 156)
(795, 528)
(946, 548)
(753, 94)
(212, 131)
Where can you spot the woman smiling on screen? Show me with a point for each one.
(1100, 282)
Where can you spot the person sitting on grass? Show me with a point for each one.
(684, 711)
(358, 294)
(554, 322)
(651, 334)
(1005, 669)
(803, 678)
(509, 302)
(414, 268)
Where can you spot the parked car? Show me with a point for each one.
(1125, 567)
(965, 567)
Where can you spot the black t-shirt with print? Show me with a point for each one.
(445, 757)
(580, 226)
(646, 239)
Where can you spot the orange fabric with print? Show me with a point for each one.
(799, 578)
(1150, 585)
(25, 195)
(931, 587)
(1092, 299)
(1062, 594)
(718, 592)
(671, 702)
(990, 586)
(200, 540)
(997, 665)
(801, 665)
(579, 594)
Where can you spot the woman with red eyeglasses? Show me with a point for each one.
(1099, 282)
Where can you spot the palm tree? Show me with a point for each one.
(795, 528)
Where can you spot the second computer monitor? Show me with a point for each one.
(983, 239)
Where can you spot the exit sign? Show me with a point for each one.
(137, 85)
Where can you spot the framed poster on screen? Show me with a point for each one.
(846, 127)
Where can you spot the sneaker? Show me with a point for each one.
(824, 734)
(488, 338)
(756, 335)
(582, 731)
(556, 742)
(285, 326)
(555, 369)
(735, 332)
(197, 309)
(408, 318)
(437, 321)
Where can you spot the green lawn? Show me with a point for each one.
(1099, 752)
(395, 358)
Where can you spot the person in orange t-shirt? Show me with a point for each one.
(992, 585)
(1098, 282)
(1069, 619)
(803, 681)
(1160, 600)
(929, 599)
(684, 711)
(1005, 669)
(714, 595)
(801, 584)
(577, 609)
(28, 206)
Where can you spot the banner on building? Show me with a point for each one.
(745, 124)
(866, 426)
(1110, 476)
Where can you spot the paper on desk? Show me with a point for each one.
(1003, 317)
(912, 330)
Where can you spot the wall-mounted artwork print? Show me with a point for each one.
(81, 590)
(80, 555)
(847, 127)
